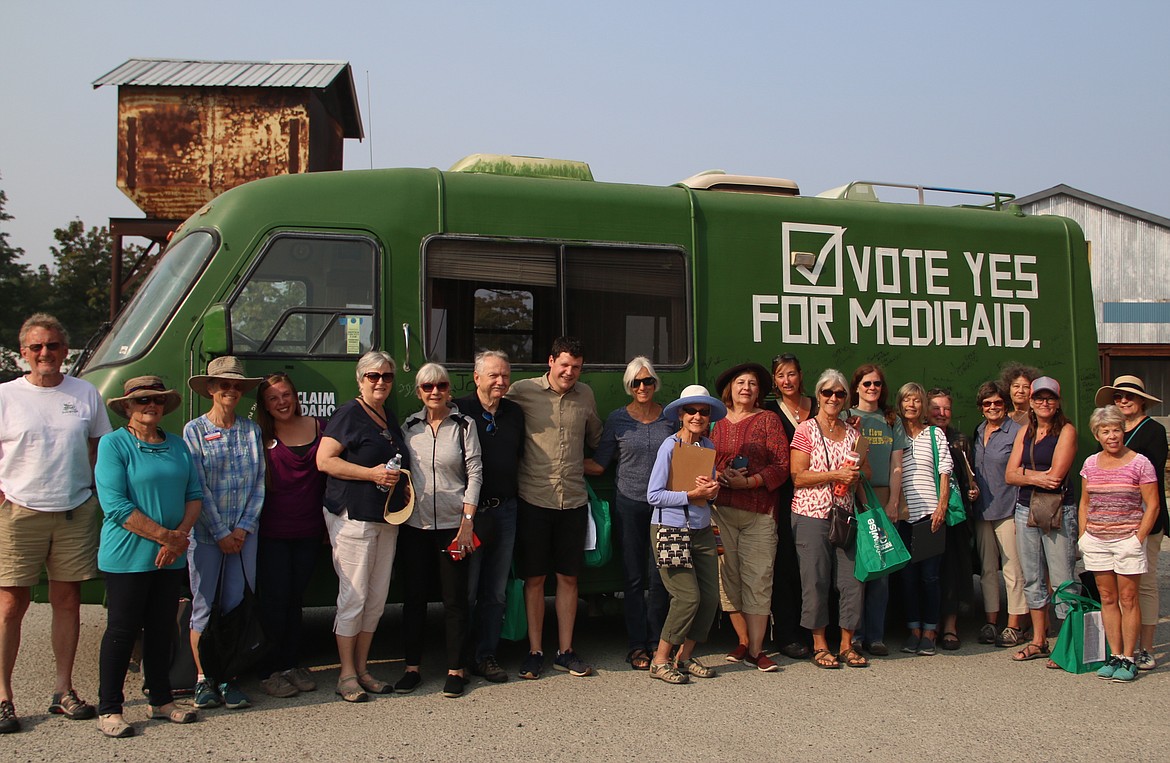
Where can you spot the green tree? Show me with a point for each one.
(14, 282)
(80, 281)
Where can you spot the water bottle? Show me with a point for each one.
(392, 465)
(841, 489)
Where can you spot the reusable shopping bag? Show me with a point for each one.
(880, 549)
(599, 514)
(515, 611)
(1082, 636)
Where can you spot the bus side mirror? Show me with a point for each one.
(215, 331)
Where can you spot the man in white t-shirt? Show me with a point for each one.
(49, 517)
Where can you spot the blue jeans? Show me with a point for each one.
(877, 601)
(644, 614)
(921, 586)
(1039, 550)
(487, 575)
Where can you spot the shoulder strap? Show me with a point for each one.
(934, 452)
(1131, 435)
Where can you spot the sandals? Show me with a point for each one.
(823, 658)
(950, 641)
(1031, 652)
(115, 726)
(173, 713)
(666, 671)
(639, 659)
(692, 667)
(373, 685)
(349, 689)
(852, 658)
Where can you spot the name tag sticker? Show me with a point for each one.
(213, 436)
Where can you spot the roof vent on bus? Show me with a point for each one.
(718, 180)
(523, 166)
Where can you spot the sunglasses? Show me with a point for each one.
(840, 394)
(645, 381)
(429, 387)
(490, 418)
(50, 346)
(1124, 396)
(223, 385)
(156, 399)
(991, 404)
(1045, 400)
(691, 410)
(373, 377)
(868, 384)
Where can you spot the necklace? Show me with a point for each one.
(831, 424)
(377, 417)
(793, 412)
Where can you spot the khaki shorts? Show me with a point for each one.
(65, 542)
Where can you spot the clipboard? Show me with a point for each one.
(688, 462)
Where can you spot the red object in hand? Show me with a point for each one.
(841, 489)
(456, 552)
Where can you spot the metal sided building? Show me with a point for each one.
(1129, 255)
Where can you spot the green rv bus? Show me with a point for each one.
(304, 273)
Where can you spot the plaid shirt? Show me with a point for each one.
(230, 463)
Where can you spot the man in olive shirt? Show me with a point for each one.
(560, 418)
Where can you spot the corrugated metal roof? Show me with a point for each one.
(173, 72)
(166, 72)
(1101, 201)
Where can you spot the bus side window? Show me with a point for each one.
(307, 295)
(621, 301)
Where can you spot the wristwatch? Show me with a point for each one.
(468, 517)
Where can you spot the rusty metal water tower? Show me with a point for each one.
(190, 130)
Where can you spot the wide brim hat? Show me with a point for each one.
(762, 376)
(144, 386)
(695, 394)
(227, 367)
(1132, 384)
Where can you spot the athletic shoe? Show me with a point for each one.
(300, 678)
(1145, 660)
(878, 649)
(233, 697)
(1126, 672)
(572, 664)
(71, 706)
(987, 633)
(911, 645)
(8, 720)
(490, 670)
(1010, 637)
(532, 666)
(276, 685)
(763, 663)
(206, 695)
(926, 647)
(737, 654)
(1106, 671)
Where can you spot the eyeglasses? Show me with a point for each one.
(148, 447)
(224, 385)
(991, 404)
(1045, 400)
(50, 346)
(691, 410)
(840, 394)
(156, 399)
(868, 384)
(373, 377)
(1124, 397)
(429, 387)
(645, 381)
(490, 418)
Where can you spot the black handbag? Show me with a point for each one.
(233, 641)
(842, 527)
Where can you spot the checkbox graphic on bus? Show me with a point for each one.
(809, 251)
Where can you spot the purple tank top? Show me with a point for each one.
(292, 497)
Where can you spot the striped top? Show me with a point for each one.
(1115, 496)
(918, 472)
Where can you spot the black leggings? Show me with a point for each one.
(419, 560)
(145, 602)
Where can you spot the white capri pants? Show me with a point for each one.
(363, 555)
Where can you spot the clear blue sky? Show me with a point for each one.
(1013, 97)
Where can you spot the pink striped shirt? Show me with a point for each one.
(1115, 496)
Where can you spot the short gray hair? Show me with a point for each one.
(44, 321)
(1104, 416)
(640, 363)
(830, 376)
(430, 374)
(482, 357)
(374, 359)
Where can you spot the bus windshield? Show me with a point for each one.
(166, 285)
